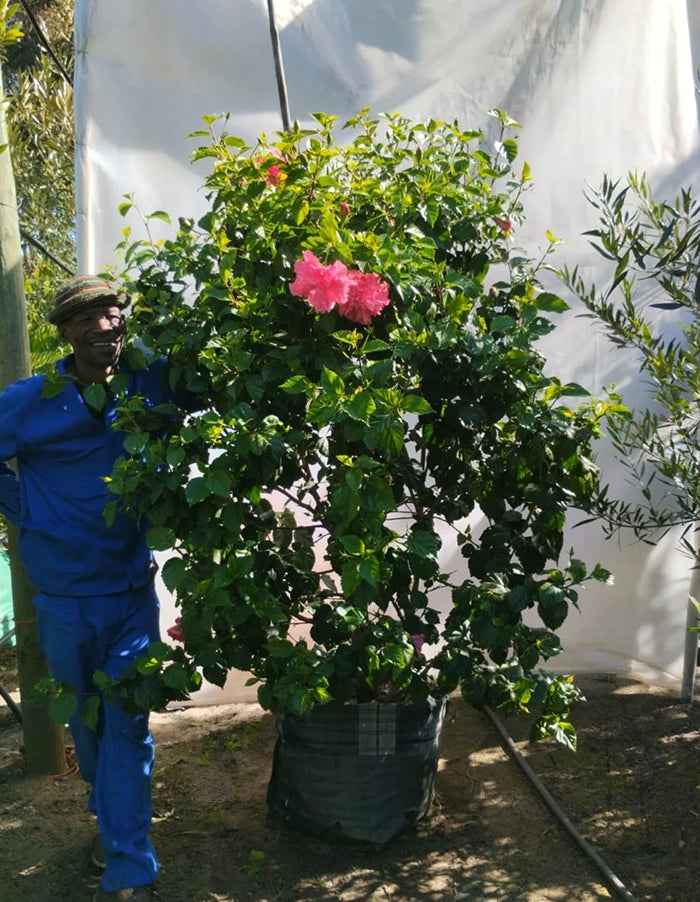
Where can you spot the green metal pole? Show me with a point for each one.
(44, 746)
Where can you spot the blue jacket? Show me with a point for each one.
(9, 493)
(63, 451)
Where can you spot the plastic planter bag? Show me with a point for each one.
(356, 773)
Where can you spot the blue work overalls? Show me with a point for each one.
(96, 604)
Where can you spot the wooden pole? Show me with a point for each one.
(44, 747)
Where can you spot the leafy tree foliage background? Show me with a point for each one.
(39, 110)
(40, 120)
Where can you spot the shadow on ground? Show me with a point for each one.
(631, 790)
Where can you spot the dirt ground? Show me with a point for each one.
(632, 792)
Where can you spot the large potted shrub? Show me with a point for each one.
(362, 328)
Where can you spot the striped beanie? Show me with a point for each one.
(81, 292)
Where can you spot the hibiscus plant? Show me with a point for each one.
(371, 502)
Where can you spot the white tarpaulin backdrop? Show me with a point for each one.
(600, 86)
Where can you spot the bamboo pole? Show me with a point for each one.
(44, 748)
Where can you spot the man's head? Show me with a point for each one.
(88, 312)
(81, 293)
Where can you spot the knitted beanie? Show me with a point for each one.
(82, 292)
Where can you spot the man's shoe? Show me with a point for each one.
(97, 853)
(129, 894)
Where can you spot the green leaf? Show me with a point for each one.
(196, 489)
(90, 712)
(173, 572)
(218, 483)
(159, 214)
(176, 677)
(110, 512)
(361, 406)
(415, 404)
(135, 442)
(352, 544)
(331, 383)
(298, 385)
(147, 665)
(501, 323)
(602, 575)
(300, 210)
(552, 605)
(95, 396)
(550, 303)
(387, 434)
(160, 538)
(422, 543)
(280, 648)
(574, 390)
(377, 497)
(63, 706)
(370, 570)
(53, 385)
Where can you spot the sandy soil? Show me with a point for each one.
(632, 792)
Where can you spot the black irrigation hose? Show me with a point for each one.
(10, 702)
(4, 694)
(614, 881)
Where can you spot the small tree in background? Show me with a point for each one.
(653, 249)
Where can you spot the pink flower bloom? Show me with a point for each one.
(175, 632)
(274, 174)
(504, 224)
(344, 209)
(323, 286)
(367, 296)
(359, 296)
(418, 642)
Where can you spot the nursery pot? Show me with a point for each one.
(356, 773)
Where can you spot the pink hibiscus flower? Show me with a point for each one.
(274, 174)
(504, 224)
(175, 632)
(418, 642)
(367, 296)
(323, 286)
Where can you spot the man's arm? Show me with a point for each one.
(9, 493)
(9, 482)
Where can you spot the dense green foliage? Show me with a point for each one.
(308, 502)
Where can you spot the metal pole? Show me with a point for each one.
(692, 620)
(279, 66)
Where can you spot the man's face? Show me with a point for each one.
(96, 335)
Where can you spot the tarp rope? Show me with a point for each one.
(44, 40)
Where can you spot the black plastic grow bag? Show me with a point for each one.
(356, 773)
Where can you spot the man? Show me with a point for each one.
(96, 603)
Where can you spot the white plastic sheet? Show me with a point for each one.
(600, 86)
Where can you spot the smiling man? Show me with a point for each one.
(96, 603)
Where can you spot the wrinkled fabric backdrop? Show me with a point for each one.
(599, 86)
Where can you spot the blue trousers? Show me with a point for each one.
(79, 636)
